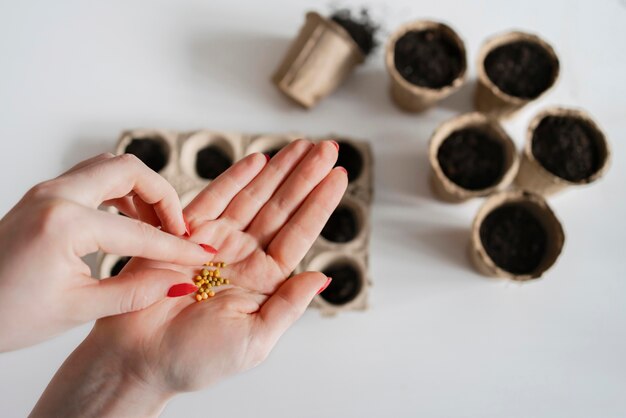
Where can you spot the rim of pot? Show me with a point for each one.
(507, 38)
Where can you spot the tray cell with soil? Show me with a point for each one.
(155, 148)
(347, 227)
(348, 289)
(564, 148)
(426, 61)
(470, 156)
(515, 235)
(514, 69)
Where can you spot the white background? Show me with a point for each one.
(439, 340)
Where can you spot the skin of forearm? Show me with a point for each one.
(94, 383)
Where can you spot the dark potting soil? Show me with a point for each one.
(151, 151)
(211, 161)
(472, 159)
(345, 286)
(342, 225)
(521, 69)
(351, 159)
(119, 265)
(567, 147)
(514, 239)
(273, 151)
(428, 58)
(361, 28)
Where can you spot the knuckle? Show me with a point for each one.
(53, 215)
(129, 159)
(42, 190)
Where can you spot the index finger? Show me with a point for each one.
(116, 177)
(119, 235)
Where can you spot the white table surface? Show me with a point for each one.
(439, 340)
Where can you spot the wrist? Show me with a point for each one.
(94, 381)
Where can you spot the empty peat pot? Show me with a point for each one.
(515, 235)
(324, 53)
(564, 148)
(514, 69)
(346, 224)
(426, 62)
(152, 150)
(470, 156)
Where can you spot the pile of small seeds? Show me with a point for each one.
(207, 279)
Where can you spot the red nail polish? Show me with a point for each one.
(335, 144)
(181, 289)
(267, 157)
(343, 169)
(328, 280)
(208, 248)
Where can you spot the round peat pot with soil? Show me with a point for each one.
(515, 235)
(346, 225)
(514, 69)
(153, 151)
(322, 56)
(426, 62)
(470, 156)
(564, 148)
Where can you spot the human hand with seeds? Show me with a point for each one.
(263, 216)
(46, 288)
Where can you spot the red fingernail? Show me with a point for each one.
(181, 289)
(208, 248)
(328, 280)
(343, 169)
(335, 144)
(187, 229)
(267, 157)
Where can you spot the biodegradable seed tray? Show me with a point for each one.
(190, 160)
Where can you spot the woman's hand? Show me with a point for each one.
(45, 287)
(263, 218)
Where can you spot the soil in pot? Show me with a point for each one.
(273, 151)
(211, 161)
(151, 151)
(472, 159)
(360, 27)
(342, 225)
(567, 147)
(522, 69)
(119, 265)
(345, 286)
(428, 58)
(514, 238)
(351, 159)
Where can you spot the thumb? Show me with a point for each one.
(288, 304)
(133, 291)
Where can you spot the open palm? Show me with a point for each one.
(263, 217)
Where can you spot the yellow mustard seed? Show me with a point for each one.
(198, 298)
(205, 295)
(205, 272)
(211, 273)
(217, 273)
(197, 278)
(211, 293)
